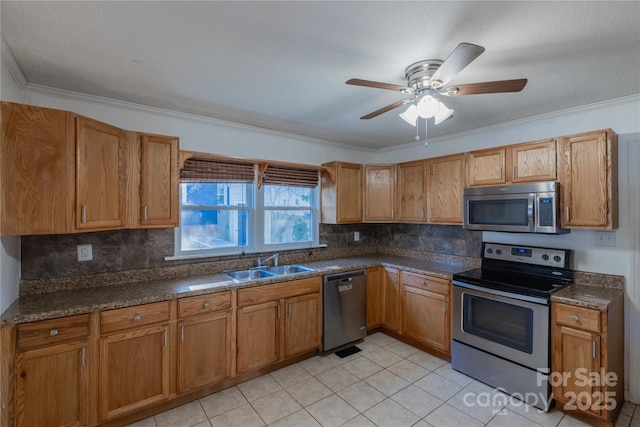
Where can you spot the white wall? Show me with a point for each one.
(10, 90)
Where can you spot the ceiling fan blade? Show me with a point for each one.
(457, 60)
(387, 108)
(486, 87)
(378, 85)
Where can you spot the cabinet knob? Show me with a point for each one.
(575, 317)
(422, 283)
(53, 332)
(206, 304)
(137, 317)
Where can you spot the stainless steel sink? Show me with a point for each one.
(249, 274)
(265, 272)
(282, 270)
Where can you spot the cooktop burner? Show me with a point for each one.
(521, 270)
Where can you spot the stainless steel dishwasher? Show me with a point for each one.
(344, 309)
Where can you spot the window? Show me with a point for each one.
(223, 211)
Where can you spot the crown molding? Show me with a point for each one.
(14, 69)
(630, 99)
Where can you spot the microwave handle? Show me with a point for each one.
(530, 209)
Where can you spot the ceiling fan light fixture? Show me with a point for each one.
(410, 115)
(443, 114)
(428, 106)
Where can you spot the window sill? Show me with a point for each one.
(227, 254)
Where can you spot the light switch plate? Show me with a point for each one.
(85, 253)
(606, 238)
(356, 236)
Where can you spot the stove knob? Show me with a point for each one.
(545, 257)
(489, 251)
(498, 251)
(557, 258)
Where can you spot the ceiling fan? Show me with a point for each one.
(428, 78)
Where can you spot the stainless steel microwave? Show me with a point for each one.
(523, 208)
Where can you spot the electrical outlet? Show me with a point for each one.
(85, 253)
(356, 236)
(606, 238)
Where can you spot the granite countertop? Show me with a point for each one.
(52, 305)
(589, 296)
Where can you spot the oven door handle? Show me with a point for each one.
(536, 300)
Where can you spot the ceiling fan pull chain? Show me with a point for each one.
(426, 134)
(418, 129)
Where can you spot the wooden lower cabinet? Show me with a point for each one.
(52, 386)
(302, 331)
(587, 359)
(391, 298)
(425, 312)
(374, 297)
(134, 370)
(258, 335)
(204, 350)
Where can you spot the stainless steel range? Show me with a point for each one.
(501, 318)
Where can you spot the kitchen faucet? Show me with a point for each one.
(274, 256)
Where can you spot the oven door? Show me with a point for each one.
(499, 324)
(500, 212)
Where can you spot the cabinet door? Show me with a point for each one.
(590, 180)
(302, 324)
(379, 193)
(534, 161)
(412, 184)
(33, 159)
(444, 196)
(100, 175)
(349, 192)
(486, 167)
(51, 386)
(134, 370)
(374, 298)
(158, 181)
(576, 351)
(204, 350)
(258, 335)
(425, 317)
(391, 305)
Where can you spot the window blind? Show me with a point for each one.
(275, 175)
(208, 171)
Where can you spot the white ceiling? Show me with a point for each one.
(282, 65)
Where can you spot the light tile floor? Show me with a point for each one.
(387, 384)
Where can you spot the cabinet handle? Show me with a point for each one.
(206, 304)
(575, 317)
(137, 317)
(568, 213)
(146, 211)
(278, 311)
(422, 213)
(500, 173)
(53, 332)
(430, 213)
(289, 309)
(166, 338)
(445, 305)
(84, 214)
(422, 283)
(182, 333)
(513, 174)
(84, 355)
(593, 349)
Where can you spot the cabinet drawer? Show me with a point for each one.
(55, 331)
(432, 284)
(203, 304)
(133, 317)
(577, 317)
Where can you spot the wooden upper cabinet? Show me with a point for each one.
(486, 167)
(158, 202)
(589, 180)
(411, 187)
(341, 193)
(33, 173)
(534, 161)
(379, 193)
(100, 175)
(444, 196)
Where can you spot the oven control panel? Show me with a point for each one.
(527, 254)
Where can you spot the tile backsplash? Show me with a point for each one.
(50, 256)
